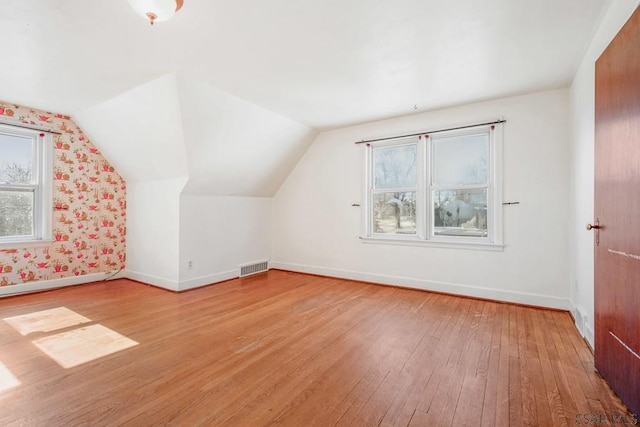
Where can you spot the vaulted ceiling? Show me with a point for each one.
(302, 65)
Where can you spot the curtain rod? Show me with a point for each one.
(28, 126)
(429, 131)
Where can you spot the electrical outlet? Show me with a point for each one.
(190, 265)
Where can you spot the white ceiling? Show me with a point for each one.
(323, 63)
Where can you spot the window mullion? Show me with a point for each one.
(459, 187)
(18, 187)
(427, 205)
(394, 190)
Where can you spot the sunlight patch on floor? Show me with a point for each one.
(7, 379)
(46, 320)
(83, 345)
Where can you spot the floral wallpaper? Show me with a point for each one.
(89, 209)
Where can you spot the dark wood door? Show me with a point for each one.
(617, 206)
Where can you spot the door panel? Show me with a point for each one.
(617, 206)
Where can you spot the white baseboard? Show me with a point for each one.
(44, 285)
(588, 335)
(582, 323)
(208, 279)
(172, 285)
(430, 285)
(181, 285)
(577, 317)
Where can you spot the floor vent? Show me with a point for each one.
(254, 268)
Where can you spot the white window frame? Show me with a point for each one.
(424, 213)
(418, 188)
(41, 184)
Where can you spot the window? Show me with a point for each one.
(437, 188)
(25, 185)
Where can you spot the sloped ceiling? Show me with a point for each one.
(229, 93)
(140, 131)
(322, 63)
(177, 126)
(234, 147)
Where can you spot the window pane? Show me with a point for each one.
(395, 167)
(17, 159)
(394, 213)
(460, 212)
(16, 213)
(460, 160)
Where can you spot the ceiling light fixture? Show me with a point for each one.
(156, 10)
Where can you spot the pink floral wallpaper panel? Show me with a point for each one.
(89, 209)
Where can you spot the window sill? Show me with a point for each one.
(478, 246)
(18, 244)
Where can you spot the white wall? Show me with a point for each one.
(179, 136)
(152, 231)
(167, 229)
(582, 98)
(316, 229)
(217, 234)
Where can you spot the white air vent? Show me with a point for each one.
(254, 268)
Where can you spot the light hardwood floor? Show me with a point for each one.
(293, 349)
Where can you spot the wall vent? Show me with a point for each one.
(254, 268)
